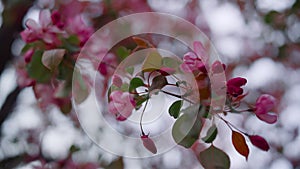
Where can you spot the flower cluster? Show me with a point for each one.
(124, 97)
(52, 46)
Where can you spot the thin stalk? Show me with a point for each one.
(178, 96)
(141, 119)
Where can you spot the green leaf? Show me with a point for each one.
(135, 83)
(123, 52)
(74, 149)
(152, 62)
(186, 130)
(170, 62)
(214, 158)
(124, 87)
(80, 91)
(64, 72)
(52, 58)
(37, 70)
(139, 100)
(158, 82)
(211, 134)
(175, 108)
(129, 70)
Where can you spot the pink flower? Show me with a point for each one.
(121, 105)
(192, 63)
(77, 26)
(116, 80)
(149, 144)
(264, 104)
(43, 30)
(56, 19)
(234, 86)
(259, 142)
(23, 79)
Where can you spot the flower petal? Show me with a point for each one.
(268, 118)
(45, 18)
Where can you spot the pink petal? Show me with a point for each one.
(31, 24)
(189, 55)
(185, 68)
(28, 55)
(268, 118)
(200, 51)
(45, 18)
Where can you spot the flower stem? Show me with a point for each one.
(141, 119)
(178, 96)
(230, 125)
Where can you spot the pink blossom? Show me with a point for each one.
(192, 63)
(234, 86)
(116, 80)
(259, 142)
(56, 19)
(200, 51)
(106, 66)
(23, 78)
(149, 144)
(77, 26)
(264, 104)
(44, 30)
(121, 105)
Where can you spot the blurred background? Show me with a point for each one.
(256, 39)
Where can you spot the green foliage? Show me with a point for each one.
(135, 83)
(174, 109)
(152, 62)
(170, 62)
(186, 129)
(36, 70)
(211, 134)
(123, 52)
(214, 158)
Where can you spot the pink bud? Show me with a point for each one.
(264, 104)
(259, 142)
(28, 55)
(149, 144)
(234, 86)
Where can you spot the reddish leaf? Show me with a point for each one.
(141, 42)
(239, 144)
(259, 142)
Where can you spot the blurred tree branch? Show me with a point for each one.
(13, 14)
